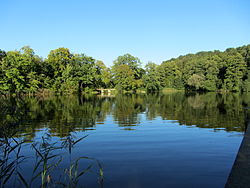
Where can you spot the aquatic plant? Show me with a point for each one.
(48, 157)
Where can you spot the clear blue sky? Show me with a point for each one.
(153, 30)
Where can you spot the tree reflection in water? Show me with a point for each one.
(66, 114)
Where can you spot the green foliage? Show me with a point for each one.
(151, 79)
(196, 81)
(83, 72)
(23, 72)
(209, 71)
(236, 68)
(170, 75)
(246, 82)
(103, 75)
(59, 59)
(127, 72)
(134, 63)
(124, 77)
(18, 70)
(72, 72)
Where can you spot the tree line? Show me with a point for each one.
(64, 72)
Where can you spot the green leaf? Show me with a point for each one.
(84, 171)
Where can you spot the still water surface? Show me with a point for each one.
(167, 140)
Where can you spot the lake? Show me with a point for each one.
(163, 140)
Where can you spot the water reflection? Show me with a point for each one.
(63, 115)
(126, 109)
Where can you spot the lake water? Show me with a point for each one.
(165, 140)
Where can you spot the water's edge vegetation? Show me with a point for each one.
(63, 72)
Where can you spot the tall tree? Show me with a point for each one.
(59, 59)
(124, 78)
(84, 72)
(236, 68)
(133, 62)
(130, 66)
(19, 71)
(103, 75)
(151, 79)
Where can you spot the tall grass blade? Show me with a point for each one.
(37, 165)
(22, 179)
(8, 176)
(37, 151)
(80, 139)
(84, 171)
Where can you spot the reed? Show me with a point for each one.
(49, 156)
(10, 159)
